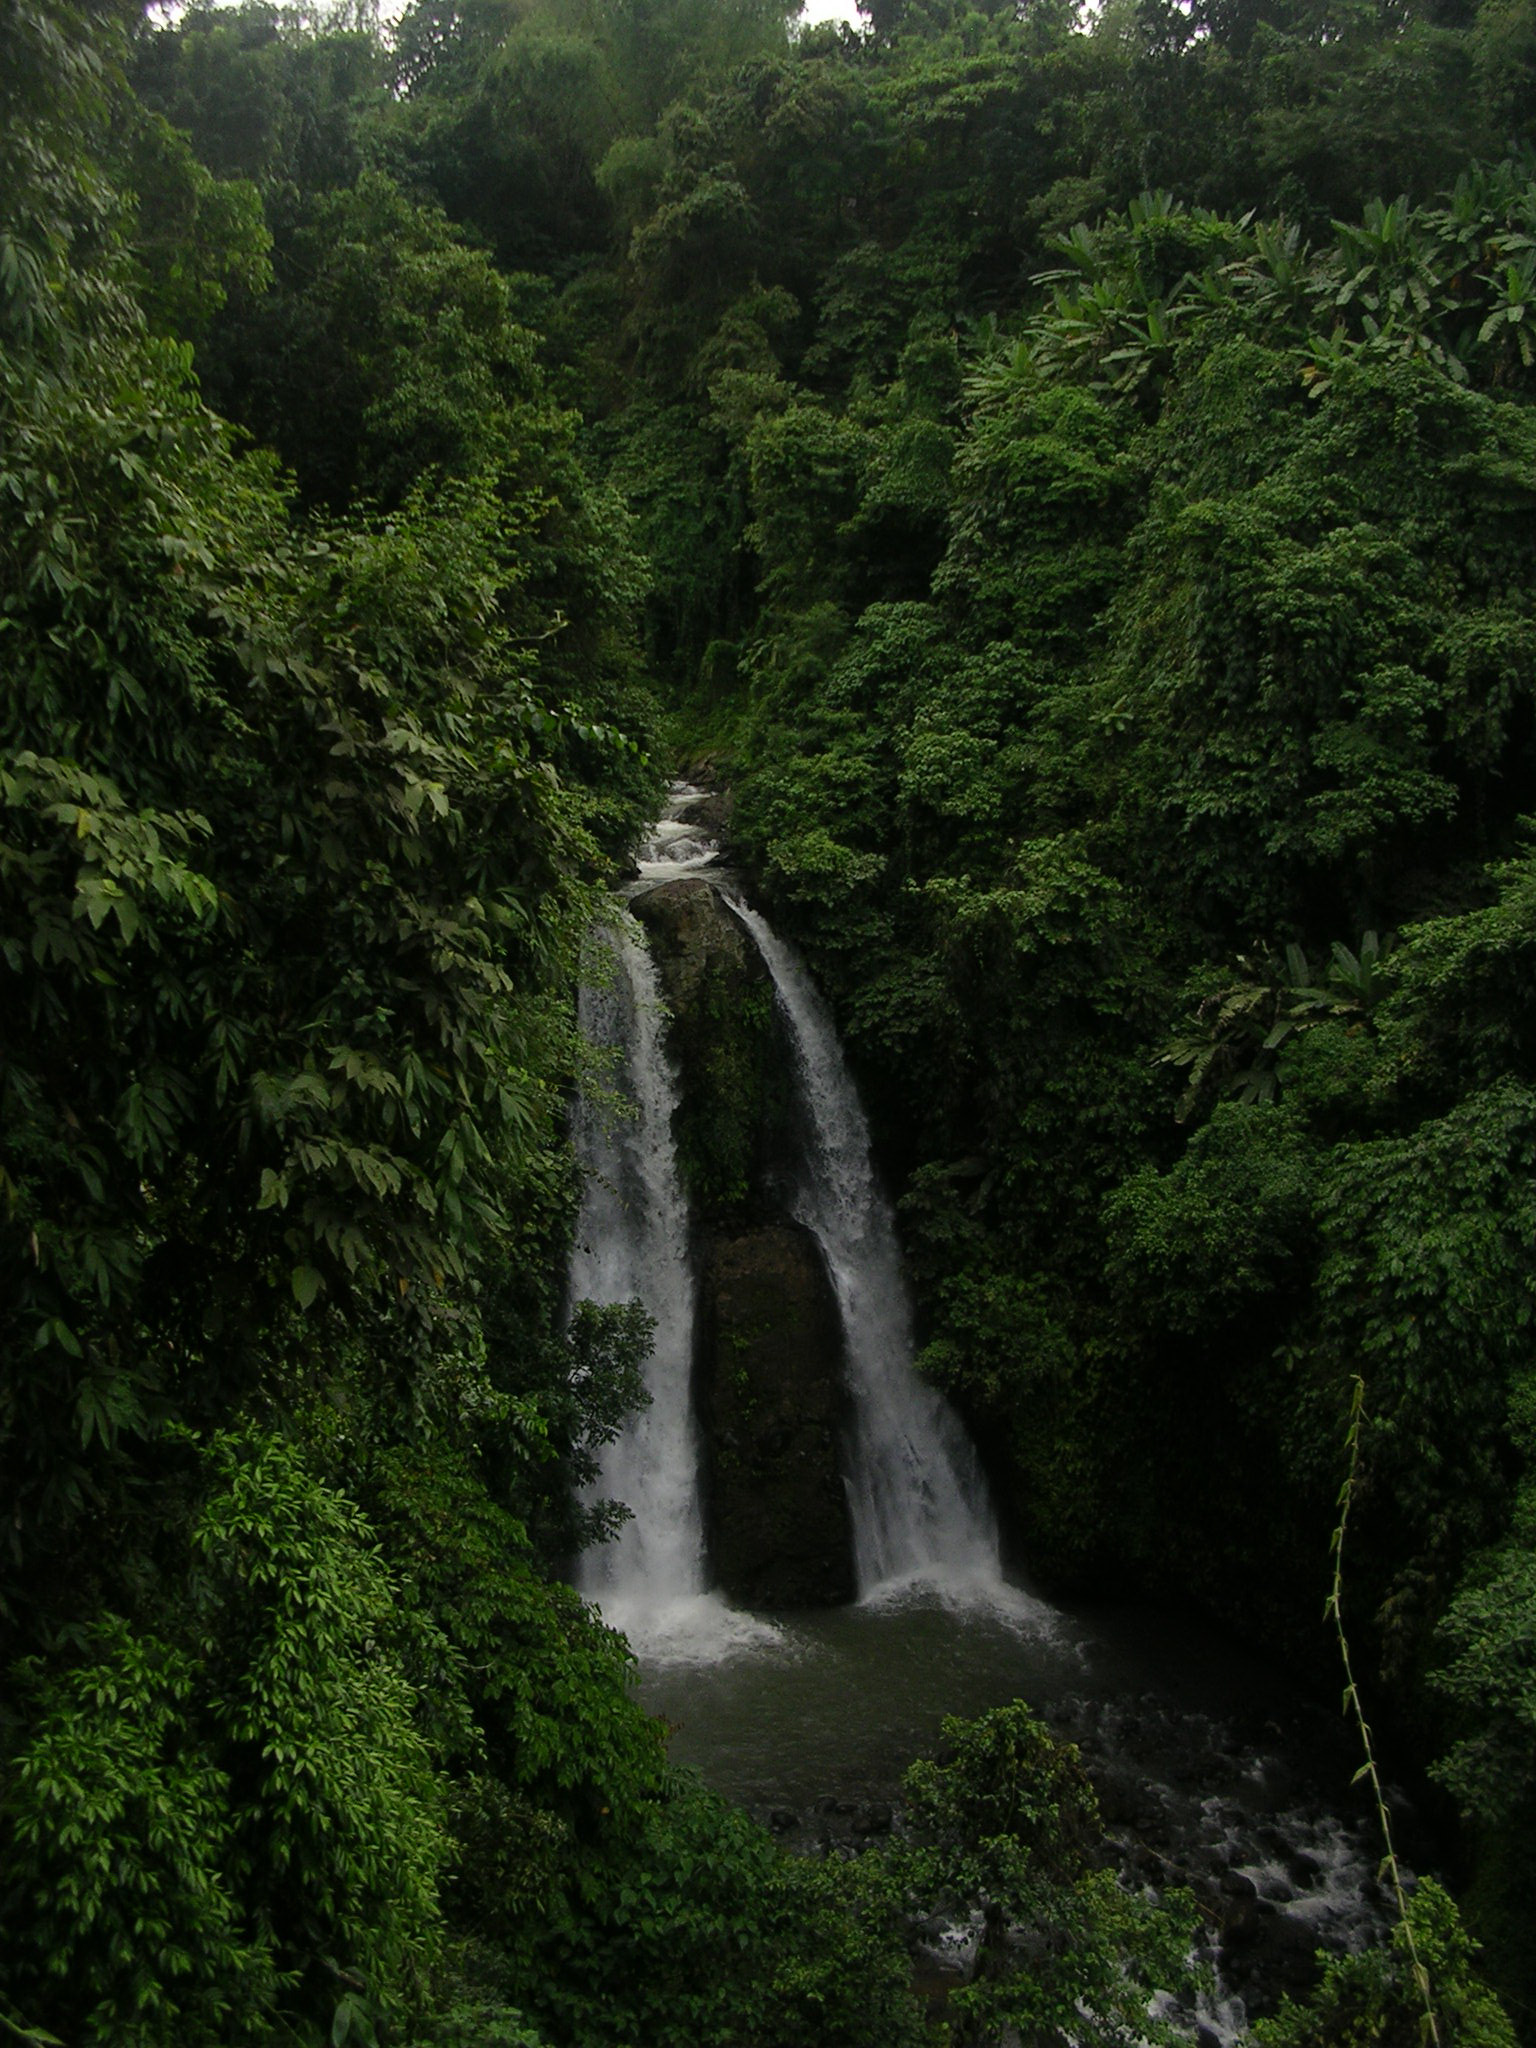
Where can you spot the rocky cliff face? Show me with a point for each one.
(769, 1363)
(771, 1397)
(726, 1039)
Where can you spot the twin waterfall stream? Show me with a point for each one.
(917, 1496)
(632, 1243)
(917, 1500)
(1208, 1769)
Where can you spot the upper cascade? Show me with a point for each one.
(681, 841)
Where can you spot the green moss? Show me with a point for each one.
(735, 1099)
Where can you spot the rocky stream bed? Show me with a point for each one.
(1246, 1802)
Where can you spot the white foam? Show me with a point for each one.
(673, 847)
(699, 1628)
(970, 1590)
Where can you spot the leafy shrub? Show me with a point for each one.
(233, 1817)
(1372, 2000)
(1004, 1827)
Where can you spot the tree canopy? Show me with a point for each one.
(1075, 477)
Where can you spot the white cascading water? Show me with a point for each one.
(632, 1244)
(917, 1496)
(918, 1502)
(676, 845)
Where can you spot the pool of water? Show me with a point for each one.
(1213, 1770)
(802, 1706)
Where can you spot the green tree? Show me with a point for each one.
(235, 1820)
(1006, 1823)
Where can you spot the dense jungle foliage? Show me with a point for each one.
(1075, 478)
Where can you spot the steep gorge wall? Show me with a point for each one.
(769, 1364)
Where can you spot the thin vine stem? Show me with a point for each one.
(35, 2037)
(1352, 1705)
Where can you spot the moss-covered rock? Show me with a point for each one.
(771, 1386)
(728, 1043)
(771, 1399)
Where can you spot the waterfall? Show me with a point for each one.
(917, 1496)
(632, 1244)
(918, 1503)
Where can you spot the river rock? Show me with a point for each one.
(1241, 1921)
(710, 811)
(771, 1399)
(694, 939)
(1282, 1962)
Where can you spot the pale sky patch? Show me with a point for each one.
(391, 10)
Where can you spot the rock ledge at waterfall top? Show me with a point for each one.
(694, 940)
(771, 1399)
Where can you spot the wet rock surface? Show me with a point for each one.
(1256, 1819)
(696, 942)
(708, 812)
(769, 1386)
(724, 1034)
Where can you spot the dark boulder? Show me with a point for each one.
(710, 812)
(770, 1387)
(728, 1043)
